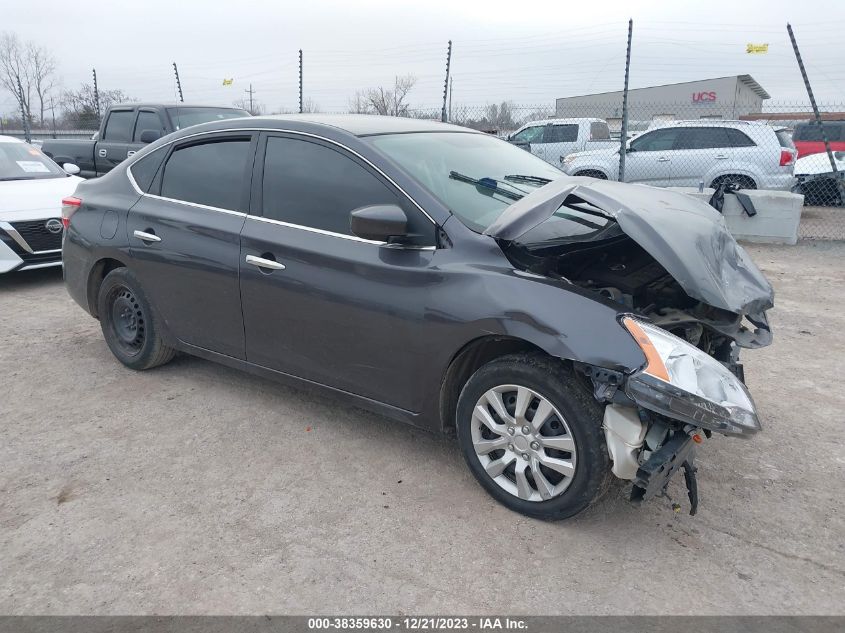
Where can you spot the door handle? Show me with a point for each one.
(146, 237)
(264, 263)
(102, 153)
(662, 160)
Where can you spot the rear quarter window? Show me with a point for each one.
(144, 170)
(785, 139)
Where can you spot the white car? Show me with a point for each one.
(817, 181)
(685, 153)
(31, 190)
(552, 139)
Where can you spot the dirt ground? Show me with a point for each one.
(197, 489)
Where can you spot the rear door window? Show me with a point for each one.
(599, 131)
(119, 126)
(702, 138)
(211, 173)
(147, 121)
(560, 133)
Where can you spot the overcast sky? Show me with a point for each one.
(526, 52)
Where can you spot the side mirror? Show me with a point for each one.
(148, 136)
(70, 169)
(379, 222)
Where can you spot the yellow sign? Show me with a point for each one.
(228, 82)
(757, 48)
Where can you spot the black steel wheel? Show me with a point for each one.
(129, 322)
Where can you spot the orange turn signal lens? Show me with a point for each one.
(654, 364)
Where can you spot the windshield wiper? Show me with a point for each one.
(522, 178)
(490, 183)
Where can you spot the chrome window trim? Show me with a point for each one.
(344, 236)
(280, 131)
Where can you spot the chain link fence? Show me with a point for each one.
(699, 144)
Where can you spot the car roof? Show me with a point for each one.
(354, 124)
(563, 121)
(159, 104)
(709, 123)
(10, 139)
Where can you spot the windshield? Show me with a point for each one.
(447, 163)
(20, 161)
(186, 117)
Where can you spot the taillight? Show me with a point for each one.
(787, 157)
(69, 206)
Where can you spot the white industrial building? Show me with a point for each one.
(719, 98)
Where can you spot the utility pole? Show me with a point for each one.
(24, 113)
(446, 83)
(623, 139)
(97, 97)
(818, 116)
(250, 92)
(300, 81)
(53, 114)
(451, 82)
(178, 83)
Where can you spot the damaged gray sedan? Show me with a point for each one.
(566, 330)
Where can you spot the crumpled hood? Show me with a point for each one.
(40, 197)
(686, 236)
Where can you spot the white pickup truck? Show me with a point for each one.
(552, 139)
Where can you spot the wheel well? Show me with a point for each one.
(465, 363)
(95, 280)
(743, 178)
(592, 173)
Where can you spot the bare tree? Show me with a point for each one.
(309, 105)
(42, 69)
(80, 106)
(254, 110)
(385, 101)
(15, 70)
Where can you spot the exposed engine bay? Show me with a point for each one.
(620, 270)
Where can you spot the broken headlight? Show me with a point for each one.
(684, 383)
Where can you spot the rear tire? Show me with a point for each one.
(129, 323)
(741, 181)
(526, 472)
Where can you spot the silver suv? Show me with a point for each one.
(684, 153)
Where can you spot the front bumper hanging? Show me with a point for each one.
(654, 474)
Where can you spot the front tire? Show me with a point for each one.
(129, 324)
(531, 434)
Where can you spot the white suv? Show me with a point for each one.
(684, 153)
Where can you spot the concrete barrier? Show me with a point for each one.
(777, 219)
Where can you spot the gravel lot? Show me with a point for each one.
(197, 489)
